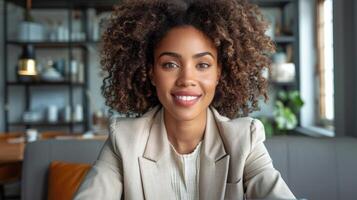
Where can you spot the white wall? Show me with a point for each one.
(307, 61)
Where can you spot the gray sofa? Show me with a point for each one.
(317, 168)
(314, 168)
(39, 155)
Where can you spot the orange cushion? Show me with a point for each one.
(64, 179)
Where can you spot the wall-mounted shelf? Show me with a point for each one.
(283, 18)
(54, 44)
(43, 83)
(59, 43)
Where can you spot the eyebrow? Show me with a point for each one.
(176, 55)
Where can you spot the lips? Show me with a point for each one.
(186, 98)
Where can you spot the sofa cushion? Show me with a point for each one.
(64, 179)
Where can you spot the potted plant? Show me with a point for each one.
(286, 109)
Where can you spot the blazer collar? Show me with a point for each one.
(214, 161)
(154, 164)
(213, 147)
(158, 144)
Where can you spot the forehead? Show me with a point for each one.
(185, 40)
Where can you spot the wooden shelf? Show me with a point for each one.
(54, 44)
(44, 83)
(44, 123)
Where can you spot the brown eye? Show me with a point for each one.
(203, 65)
(170, 65)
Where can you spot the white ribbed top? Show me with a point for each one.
(184, 172)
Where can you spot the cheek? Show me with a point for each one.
(163, 82)
(209, 83)
(211, 86)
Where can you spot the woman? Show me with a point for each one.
(188, 67)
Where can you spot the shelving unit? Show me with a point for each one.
(67, 85)
(281, 113)
(283, 40)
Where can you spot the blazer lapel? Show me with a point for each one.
(154, 163)
(214, 162)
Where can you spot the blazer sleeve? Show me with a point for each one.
(105, 178)
(261, 179)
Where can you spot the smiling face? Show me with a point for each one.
(185, 73)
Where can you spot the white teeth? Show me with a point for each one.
(187, 98)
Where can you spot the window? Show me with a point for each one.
(325, 64)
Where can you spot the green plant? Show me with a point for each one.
(286, 109)
(284, 117)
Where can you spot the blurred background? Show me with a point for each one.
(50, 75)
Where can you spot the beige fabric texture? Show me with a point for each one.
(134, 162)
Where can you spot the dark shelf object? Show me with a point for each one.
(284, 39)
(45, 83)
(43, 4)
(54, 44)
(283, 84)
(44, 123)
(272, 3)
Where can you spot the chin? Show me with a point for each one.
(184, 114)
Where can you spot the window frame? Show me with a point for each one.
(320, 83)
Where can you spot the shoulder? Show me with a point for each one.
(126, 132)
(238, 123)
(120, 125)
(241, 125)
(240, 137)
(244, 131)
(253, 125)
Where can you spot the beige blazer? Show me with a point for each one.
(234, 162)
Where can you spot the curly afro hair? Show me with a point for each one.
(236, 27)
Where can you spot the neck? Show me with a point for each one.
(185, 135)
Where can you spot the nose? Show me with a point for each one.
(186, 77)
